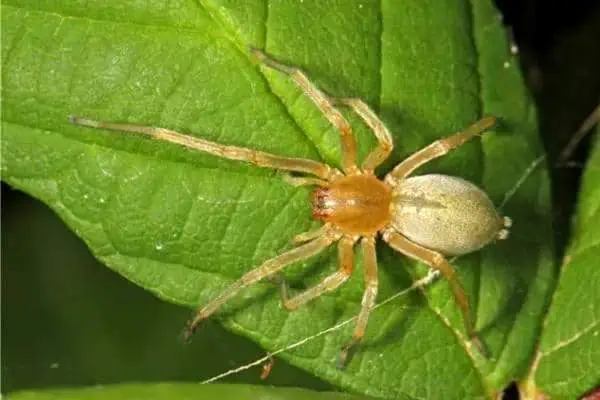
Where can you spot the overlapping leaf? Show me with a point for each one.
(569, 351)
(170, 391)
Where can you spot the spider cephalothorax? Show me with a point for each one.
(423, 217)
(355, 204)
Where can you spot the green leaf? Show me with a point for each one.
(566, 363)
(164, 391)
(183, 225)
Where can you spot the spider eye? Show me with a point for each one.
(320, 208)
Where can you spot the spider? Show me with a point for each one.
(426, 217)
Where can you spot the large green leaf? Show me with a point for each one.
(67, 321)
(566, 362)
(183, 225)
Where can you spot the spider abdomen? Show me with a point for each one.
(446, 214)
(355, 204)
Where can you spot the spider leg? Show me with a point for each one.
(304, 181)
(267, 269)
(331, 282)
(439, 148)
(368, 300)
(260, 158)
(323, 103)
(438, 262)
(310, 235)
(386, 143)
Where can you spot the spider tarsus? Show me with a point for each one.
(84, 121)
(499, 122)
(186, 334)
(283, 289)
(259, 54)
(264, 58)
(347, 354)
(478, 343)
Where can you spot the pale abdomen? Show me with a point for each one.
(445, 213)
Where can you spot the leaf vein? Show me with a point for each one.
(15, 43)
(570, 340)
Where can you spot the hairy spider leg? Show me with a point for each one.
(310, 235)
(386, 143)
(324, 105)
(329, 283)
(304, 181)
(268, 268)
(368, 299)
(439, 148)
(438, 262)
(256, 157)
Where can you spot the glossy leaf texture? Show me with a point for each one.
(183, 225)
(566, 363)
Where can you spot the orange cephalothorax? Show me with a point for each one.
(357, 204)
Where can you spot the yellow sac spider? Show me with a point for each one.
(425, 217)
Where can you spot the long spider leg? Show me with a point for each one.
(368, 300)
(267, 269)
(322, 102)
(438, 262)
(386, 143)
(329, 283)
(304, 181)
(260, 158)
(439, 148)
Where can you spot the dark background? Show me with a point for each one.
(68, 320)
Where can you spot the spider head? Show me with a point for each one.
(355, 204)
(319, 200)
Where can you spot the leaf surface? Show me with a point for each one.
(183, 225)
